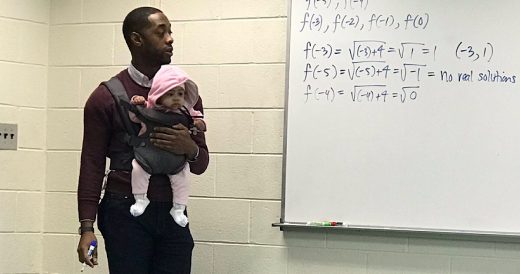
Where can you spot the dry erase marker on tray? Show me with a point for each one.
(325, 223)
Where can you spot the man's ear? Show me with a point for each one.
(136, 39)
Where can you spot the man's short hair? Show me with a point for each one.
(137, 21)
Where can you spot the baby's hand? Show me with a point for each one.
(137, 100)
(200, 124)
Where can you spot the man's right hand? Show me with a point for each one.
(84, 244)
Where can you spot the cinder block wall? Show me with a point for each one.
(53, 53)
(24, 40)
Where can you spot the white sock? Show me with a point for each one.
(141, 202)
(177, 213)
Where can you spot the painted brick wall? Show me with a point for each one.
(23, 66)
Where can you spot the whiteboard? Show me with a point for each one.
(403, 114)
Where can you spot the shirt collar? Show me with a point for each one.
(139, 77)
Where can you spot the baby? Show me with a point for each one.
(170, 101)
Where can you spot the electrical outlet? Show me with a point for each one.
(9, 136)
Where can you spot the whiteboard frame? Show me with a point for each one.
(286, 105)
(406, 232)
(350, 228)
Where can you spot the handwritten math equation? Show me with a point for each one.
(316, 22)
(366, 60)
(337, 4)
(379, 50)
(363, 93)
(380, 70)
(367, 70)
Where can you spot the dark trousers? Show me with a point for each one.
(149, 244)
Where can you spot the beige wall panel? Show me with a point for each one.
(236, 41)
(34, 43)
(61, 214)
(122, 56)
(14, 169)
(330, 261)
(219, 220)
(202, 262)
(8, 211)
(301, 238)
(109, 11)
(11, 97)
(81, 45)
(207, 79)
(29, 212)
(32, 10)
(253, 8)
(33, 91)
(31, 128)
(200, 43)
(204, 10)
(9, 114)
(9, 48)
(250, 259)
(66, 11)
(407, 263)
(249, 176)
(61, 258)
(178, 30)
(204, 185)
(64, 129)
(268, 131)
(252, 86)
(263, 215)
(507, 250)
(450, 247)
(475, 265)
(229, 131)
(21, 253)
(63, 88)
(359, 241)
(91, 78)
(32, 47)
(191, 10)
(62, 171)
(268, 40)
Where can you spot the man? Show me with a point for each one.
(152, 242)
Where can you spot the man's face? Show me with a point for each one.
(173, 99)
(157, 40)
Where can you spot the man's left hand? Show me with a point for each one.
(176, 139)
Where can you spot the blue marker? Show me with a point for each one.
(91, 248)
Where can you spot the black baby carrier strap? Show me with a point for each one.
(122, 160)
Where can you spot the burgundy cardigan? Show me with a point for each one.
(101, 123)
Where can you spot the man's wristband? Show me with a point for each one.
(83, 229)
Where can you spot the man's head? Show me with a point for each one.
(147, 33)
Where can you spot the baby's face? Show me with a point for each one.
(173, 99)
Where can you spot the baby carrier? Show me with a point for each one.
(152, 159)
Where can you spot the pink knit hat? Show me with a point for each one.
(167, 78)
